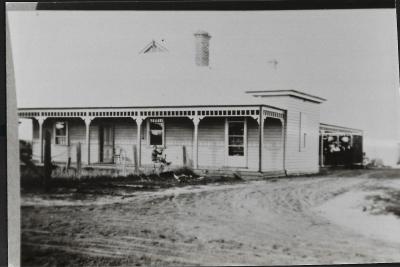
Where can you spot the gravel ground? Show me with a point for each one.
(273, 222)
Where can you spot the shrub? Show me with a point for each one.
(185, 171)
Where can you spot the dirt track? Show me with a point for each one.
(253, 223)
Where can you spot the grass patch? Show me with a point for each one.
(38, 256)
(385, 173)
(390, 203)
(393, 209)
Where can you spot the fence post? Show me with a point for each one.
(78, 159)
(135, 159)
(47, 161)
(184, 155)
(68, 165)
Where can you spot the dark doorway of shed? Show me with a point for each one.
(341, 149)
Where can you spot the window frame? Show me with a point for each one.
(303, 132)
(66, 133)
(148, 129)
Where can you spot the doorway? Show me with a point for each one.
(236, 142)
(106, 143)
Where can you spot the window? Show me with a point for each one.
(61, 133)
(236, 138)
(304, 124)
(156, 132)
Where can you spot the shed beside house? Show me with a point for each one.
(340, 145)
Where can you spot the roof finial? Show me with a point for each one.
(153, 46)
(274, 63)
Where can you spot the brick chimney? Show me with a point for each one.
(202, 40)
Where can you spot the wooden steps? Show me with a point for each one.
(244, 174)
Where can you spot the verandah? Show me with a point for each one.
(235, 120)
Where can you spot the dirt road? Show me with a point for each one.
(254, 223)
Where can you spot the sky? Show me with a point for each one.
(349, 57)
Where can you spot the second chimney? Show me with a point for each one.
(202, 40)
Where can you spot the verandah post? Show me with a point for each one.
(196, 122)
(321, 149)
(41, 121)
(47, 161)
(78, 159)
(135, 158)
(87, 123)
(261, 140)
(283, 137)
(138, 140)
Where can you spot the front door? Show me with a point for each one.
(106, 141)
(236, 142)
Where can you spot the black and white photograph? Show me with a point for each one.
(204, 137)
